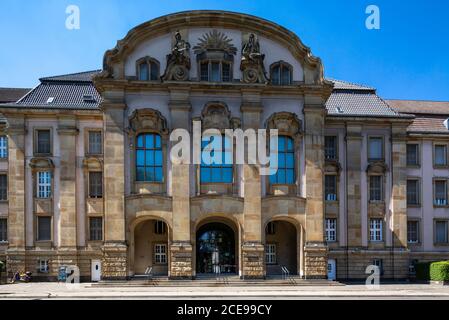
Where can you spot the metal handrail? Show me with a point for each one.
(149, 273)
(285, 273)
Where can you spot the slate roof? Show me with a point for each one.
(420, 107)
(349, 99)
(12, 94)
(71, 91)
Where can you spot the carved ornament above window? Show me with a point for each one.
(377, 167)
(216, 115)
(148, 120)
(287, 123)
(41, 164)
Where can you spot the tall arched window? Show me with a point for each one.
(147, 69)
(286, 162)
(281, 74)
(217, 173)
(149, 158)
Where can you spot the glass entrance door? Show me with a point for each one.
(215, 249)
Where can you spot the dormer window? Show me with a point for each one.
(215, 56)
(148, 69)
(281, 74)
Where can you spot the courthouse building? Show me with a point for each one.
(86, 177)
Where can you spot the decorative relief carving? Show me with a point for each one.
(216, 115)
(252, 64)
(215, 41)
(332, 167)
(147, 120)
(41, 163)
(377, 167)
(287, 123)
(93, 164)
(178, 61)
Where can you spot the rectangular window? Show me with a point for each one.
(43, 228)
(3, 230)
(440, 196)
(330, 148)
(204, 70)
(160, 253)
(226, 72)
(375, 188)
(375, 230)
(330, 186)
(3, 187)
(375, 148)
(270, 253)
(412, 192)
(413, 231)
(3, 147)
(96, 228)
(412, 155)
(44, 184)
(43, 266)
(215, 72)
(95, 142)
(159, 227)
(441, 232)
(440, 155)
(95, 184)
(271, 228)
(331, 230)
(43, 142)
(214, 172)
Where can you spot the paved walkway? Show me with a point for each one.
(90, 291)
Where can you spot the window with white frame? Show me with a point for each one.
(375, 148)
(375, 188)
(270, 253)
(375, 230)
(440, 193)
(3, 230)
(441, 231)
(330, 187)
(412, 231)
(44, 184)
(95, 142)
(331, 230)
(43, 266)
(3, 147)
(412, 192)
(160, 253)
(440, 155)
(3, 187)
(412, 154)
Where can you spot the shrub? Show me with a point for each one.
(439, 271)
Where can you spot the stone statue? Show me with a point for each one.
(178, 61)
(252, 62)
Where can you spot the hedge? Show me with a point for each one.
(433, 271)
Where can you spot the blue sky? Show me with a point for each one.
(408, 58)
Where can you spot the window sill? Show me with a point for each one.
(331, 201)
(413, 166)
(414, 244)
(43, 155)
(4, 243)
(413, 205)
(441, 244)
(94, 155)
(441, 206)
(376, 202)
(441, 166)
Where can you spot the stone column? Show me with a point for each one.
(114, 249)
(253, 250)
(354, 168)
(16, 191)
(181, 249)
(67, 131)
(315, 252)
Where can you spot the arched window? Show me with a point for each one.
(286, 162)
(149, 158)
(281, 74)
(147, 69)
(217, 173)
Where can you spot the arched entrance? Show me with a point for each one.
(281, 247)
(151, 247)
(216, 249)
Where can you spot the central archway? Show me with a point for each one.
(216, 249)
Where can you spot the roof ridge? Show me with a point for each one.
(55, 78)
(418, 100)
(359, 86)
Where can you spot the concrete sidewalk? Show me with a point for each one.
(90, 291)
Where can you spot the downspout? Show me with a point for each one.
(346, 201)
(392, 200)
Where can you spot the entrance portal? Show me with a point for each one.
(215, 249)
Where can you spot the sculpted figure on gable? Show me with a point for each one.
(252, 64)
(178, 61)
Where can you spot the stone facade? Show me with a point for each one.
(156, 222)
